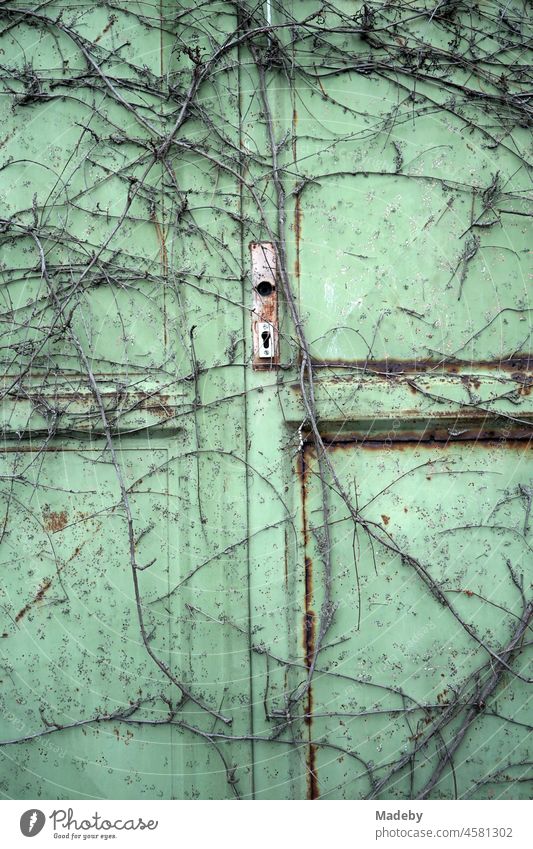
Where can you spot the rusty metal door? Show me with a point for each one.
(285, 566)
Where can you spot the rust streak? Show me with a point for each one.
(112, 20)
(518, 439)
(309, 636)
(309, 617)
(297, 235)
(521, 363)
(38, 597)
(312, 777)
(7, 138)
(157, 404)
(161, 238)
(45, 586)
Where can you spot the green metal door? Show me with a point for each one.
(119, 478)
(235, 574)
(395, 632)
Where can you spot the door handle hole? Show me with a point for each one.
(265, 288)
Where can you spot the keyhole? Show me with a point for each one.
(265, 336)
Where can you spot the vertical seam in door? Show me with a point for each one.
(164, 262)
(309, 620)
(244, 258)
(164, 255)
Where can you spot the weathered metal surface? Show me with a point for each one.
(223, 579)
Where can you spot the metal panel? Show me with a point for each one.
(410, 234)
(429, 589)
(74, 657)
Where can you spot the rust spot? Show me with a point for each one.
(469, 593)
(386, 519)
(470, 380)
(417, 736)
(38, 597)
(53, 521)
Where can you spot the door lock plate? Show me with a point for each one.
(265, 333)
